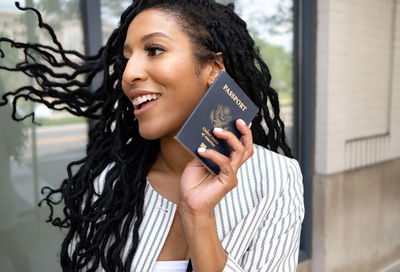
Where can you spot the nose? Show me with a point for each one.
(134, 71)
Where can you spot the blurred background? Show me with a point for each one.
(336, 67)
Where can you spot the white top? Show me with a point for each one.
(168, 266)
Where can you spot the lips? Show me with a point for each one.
(138, 101)
(143, 100)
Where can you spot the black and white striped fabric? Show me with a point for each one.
(258, 222)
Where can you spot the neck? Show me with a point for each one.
(172, 157)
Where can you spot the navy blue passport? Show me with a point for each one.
(222, 104)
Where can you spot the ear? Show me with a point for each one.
(216, 65)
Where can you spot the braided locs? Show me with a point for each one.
(99, 222)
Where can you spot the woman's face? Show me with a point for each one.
(160, 76)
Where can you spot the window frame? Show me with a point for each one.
(304, 108)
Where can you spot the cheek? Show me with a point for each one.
(172, 71)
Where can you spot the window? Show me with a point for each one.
(34, 156)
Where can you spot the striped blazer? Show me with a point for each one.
(258, 222)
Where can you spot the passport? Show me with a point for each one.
(222, 104)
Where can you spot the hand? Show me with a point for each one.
(200, 190)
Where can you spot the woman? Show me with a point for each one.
(139, 201)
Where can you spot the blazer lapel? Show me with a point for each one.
(158, 214)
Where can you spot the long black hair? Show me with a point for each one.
(99, 222)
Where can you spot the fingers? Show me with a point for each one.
(247, 138)
(241, 149)
(237, 148)
(223, 162)
(227, 175)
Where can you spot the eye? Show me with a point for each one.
(154, 50)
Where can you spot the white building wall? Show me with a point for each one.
(357, 83)
(395, 97)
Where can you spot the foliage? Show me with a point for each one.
(65, 9)
(225, 2)
(115, 7)
(279, 62)
(58, 11)
(10, 54)
(281, 22)
(13, 133)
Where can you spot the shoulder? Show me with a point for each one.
(268, 172)
(260, 226)
(264, 181)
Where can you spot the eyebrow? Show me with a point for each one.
(155, 34)
(149, 36)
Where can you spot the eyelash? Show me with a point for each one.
(152, 48)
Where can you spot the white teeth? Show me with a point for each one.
(144, 98)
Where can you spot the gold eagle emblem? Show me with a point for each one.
(221, 116)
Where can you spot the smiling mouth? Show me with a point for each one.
(141, 100)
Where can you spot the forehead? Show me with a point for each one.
(155, 21)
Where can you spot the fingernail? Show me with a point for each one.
(241, 121)
(218, 129)
(250, 124)
(201, 150)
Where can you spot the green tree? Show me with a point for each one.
(279, 62)
(12, 133)
(282, 20)
(115, 7)
(9, 79)
(225, 2)
(57, 11)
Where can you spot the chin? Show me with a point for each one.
(150, 132)
(149, 136)
(155, 132)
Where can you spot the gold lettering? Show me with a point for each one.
(203, 145)
(209, 135)
(242, 107)
(234, 97)
(208, 140)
